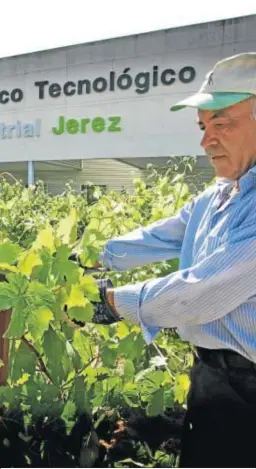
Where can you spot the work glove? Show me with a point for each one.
(103, 311)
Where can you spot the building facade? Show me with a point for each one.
(100, 111)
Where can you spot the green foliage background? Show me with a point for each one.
(57, 370)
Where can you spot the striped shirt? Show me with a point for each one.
(211, 299)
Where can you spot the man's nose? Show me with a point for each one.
(209, 139)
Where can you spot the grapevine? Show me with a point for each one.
(69, 383)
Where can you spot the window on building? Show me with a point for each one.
(93, 191)
(45, 186)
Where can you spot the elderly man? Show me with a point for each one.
(211, 300)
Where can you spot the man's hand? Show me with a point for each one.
(104, 311)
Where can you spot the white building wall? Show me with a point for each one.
(147, 127)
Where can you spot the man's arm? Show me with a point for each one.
(156, 242)
(207, 291)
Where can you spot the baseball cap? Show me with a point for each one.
(231, 81)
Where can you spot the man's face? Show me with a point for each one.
(229, 139)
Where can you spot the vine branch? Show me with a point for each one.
(39, 358)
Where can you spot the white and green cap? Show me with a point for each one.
(231, 81)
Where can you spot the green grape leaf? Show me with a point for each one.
(98, 395)
(21, 360)
(62, 268)
(108, 356)
(82, 313)
(49, 403)
(42, 272)
(149, 380)
(89, 256)
(101, 226)
(90, 238)
(90, 288)
(60, 301)
(82, 345)
(8, 295)
(39, 295)
(19, 282)
(74, 356)
(112, 383)
(80, 398)
(9, 252)
(17, 325)
(127, 346)
(55, 351)
(69, 411)
(130, 394)
(129, 370)
(156, 403)
(67, 228)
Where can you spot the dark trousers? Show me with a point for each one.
(220, 424)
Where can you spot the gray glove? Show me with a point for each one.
(103, 311)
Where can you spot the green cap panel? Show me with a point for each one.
(212, 101)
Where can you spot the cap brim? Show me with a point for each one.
(211, 101)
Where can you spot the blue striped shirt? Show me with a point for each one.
(211, 299)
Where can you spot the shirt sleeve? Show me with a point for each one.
(156, 242)
(205, 292)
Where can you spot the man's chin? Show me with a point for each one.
(221, 168)
(225, 175)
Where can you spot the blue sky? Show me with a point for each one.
(31, 25)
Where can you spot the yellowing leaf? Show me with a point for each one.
(45, 239)
(38, 322)
(28, 262)
(67, 229)
(181, 387)
(76, 296)
(24, 378)
(122, 330)
(90, 288)
(4, 267)
(44, 315)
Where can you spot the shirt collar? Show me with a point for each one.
(245, 181)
